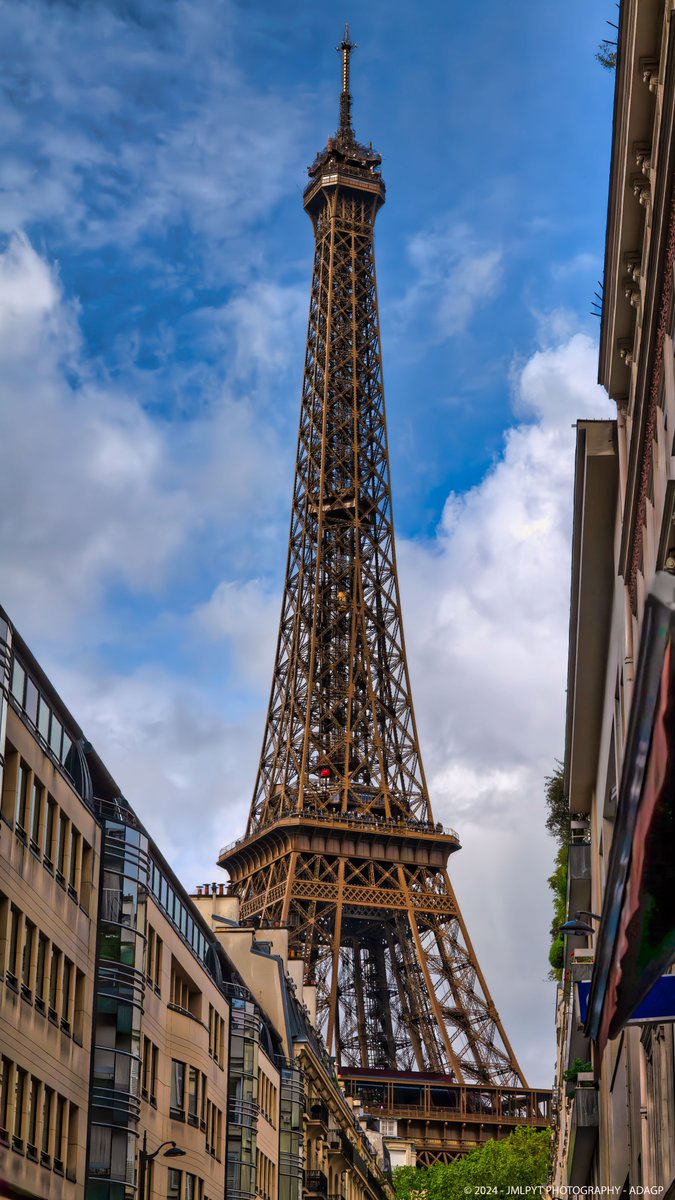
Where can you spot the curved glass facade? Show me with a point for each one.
(120, 990)
(242, 1116)
(291, 1109)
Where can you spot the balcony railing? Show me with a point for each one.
(316, 1183)
(362, 821)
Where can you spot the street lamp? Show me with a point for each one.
(579, 927)
(144, 1158)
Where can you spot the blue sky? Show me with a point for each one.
(154, 281)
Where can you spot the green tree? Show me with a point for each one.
(518, 1161)
(606, 54)
(558, 825)
(558, 818)
(558, 885)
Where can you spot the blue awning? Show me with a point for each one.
(658, 1005)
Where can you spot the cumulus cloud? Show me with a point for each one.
(98, 492)
(174, 755)
(101, 493)
(486, 608)
(177, 158)
(245, 615)
(455, 273)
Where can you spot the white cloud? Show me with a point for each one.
(98, 492)
(455, 275)
(176, 156)
(184, 767)
(579, 264)
(246, 616)
(486, 609)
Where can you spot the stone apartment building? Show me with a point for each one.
(149, 1046)
(615, 1008)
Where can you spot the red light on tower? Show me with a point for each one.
(325, 772)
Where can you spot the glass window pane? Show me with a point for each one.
(18, 682)
(31, 704)
(55, 736)
(49, 829)
(36, 812)
(43, 718)
(65, 749)
(22, 796)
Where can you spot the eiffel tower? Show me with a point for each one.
(341, 845)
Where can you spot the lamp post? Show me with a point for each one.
(577, 926)
(144, 1158)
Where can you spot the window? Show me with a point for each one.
(184, 994)
(178, 1089)
(85, 877)
(78, 1019)
(67, 987)
(14, 919)
(59, 1132)
(175, 1185)
(216, 1036)
(36, 816)
(27, 959)
(191, 1187)
(33, 1111)
(71, 1160)
(19, 1097)
(61, 848)
(55, 736)
(40, 966)
(44, 713)
(214, 1119)
(154, 959)
(149, 1082)
(66, 747)
(73, 873)
(54, 968)
(22, 798)
(5, 1084)
(193, 1096)
(31, 700)
(50, 823)
(18, 681)
(46, 1120)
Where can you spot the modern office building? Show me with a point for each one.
(149, 1047)
(615, 1011)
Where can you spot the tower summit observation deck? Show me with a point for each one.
(341, 844)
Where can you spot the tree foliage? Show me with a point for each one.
(606, 54)
(519, 1160)
(558, 824)
(558, 818)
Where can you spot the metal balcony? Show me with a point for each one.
(316, 1184)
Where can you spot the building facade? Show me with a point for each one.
(616, 1062)
(149, 1047)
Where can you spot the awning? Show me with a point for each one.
(658, 1005)
(636, 937)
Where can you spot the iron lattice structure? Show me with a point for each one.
(341, 845)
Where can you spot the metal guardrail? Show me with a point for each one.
(364, 822)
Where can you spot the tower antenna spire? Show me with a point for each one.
(345, 48)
